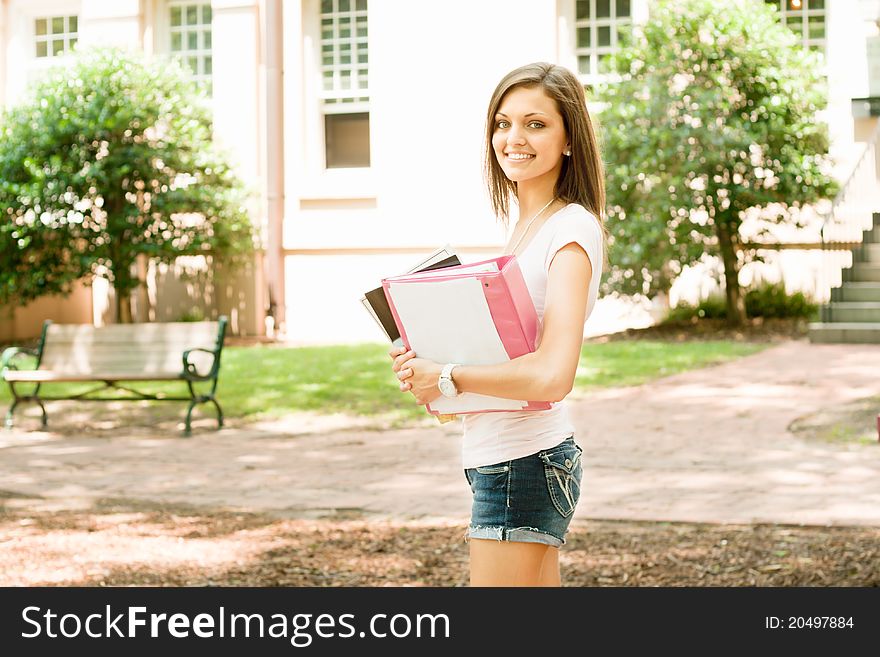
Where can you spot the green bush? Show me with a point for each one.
(713, 307)
(767, 300)
(104, 161)
(681, 313)
(771, 300)
(194, 314)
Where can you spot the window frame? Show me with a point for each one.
(23, 66)
(165, 32)
(337, 100)
(49, 37)
(595, 51)
(803, 15)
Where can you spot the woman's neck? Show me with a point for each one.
(532, 196)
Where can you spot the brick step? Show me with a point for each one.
(871, 252)
(846, 332)
(855, 291)
(852, 311)
(871, 236)
(862, 272)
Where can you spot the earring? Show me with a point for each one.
(566, 152)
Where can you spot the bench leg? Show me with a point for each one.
(219, 412)
(187, 431)
(9, 415)
(45, 415)
(10, 419)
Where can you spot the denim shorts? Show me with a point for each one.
(530, 499)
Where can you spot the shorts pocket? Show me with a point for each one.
(562, 468)
(493, 469)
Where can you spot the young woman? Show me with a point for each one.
(524, 467)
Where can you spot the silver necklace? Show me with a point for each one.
(529, 224)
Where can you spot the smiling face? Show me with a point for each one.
(535, 113)
(529, 135)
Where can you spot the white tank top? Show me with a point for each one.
(491, 438)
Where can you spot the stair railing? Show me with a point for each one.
(850, 214)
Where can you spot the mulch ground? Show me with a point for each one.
(756, 329)
(126, 543)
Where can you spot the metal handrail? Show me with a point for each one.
(842, 194)
(833, 214)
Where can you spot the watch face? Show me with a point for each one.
(447, 388)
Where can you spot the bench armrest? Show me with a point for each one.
(11, 353)
(189, 368)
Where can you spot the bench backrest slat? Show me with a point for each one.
(127, 348)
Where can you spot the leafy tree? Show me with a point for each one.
(107, 159)
(711, 110)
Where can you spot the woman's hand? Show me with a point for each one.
(400, 355)
(416, 375)
(422, 375)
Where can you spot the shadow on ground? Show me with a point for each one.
(124, 543)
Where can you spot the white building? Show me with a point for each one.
(361, 123)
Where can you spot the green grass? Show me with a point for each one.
(853, 423)
(844, 433)
(626, 363)
(270, 381)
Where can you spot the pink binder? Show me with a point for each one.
(443, 295)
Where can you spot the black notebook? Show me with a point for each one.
(377, 305)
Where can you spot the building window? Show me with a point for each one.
(598, 33)
(345, 95)
(806, 18)
(190, 38)
(347, 139)
(56, 35)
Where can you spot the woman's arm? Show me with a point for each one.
(545, 375)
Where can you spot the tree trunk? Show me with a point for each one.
(660, 305)
(123, 284)
(727, 243)
(123, 307)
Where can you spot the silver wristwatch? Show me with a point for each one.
(445, 382)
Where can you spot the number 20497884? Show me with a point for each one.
(808, 622)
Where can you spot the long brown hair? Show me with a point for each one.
(582, 179)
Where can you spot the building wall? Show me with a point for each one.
(236, 86)
(847, 59)
(25, 322)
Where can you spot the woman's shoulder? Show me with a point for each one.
(575, 215)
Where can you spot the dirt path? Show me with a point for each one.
(711, 445)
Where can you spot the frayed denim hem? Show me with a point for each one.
(517, 535)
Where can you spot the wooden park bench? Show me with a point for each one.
(112, 355)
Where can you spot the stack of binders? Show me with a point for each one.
(476, 314)
(377, 305)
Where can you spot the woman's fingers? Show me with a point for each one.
(400, 355)
(401, 359)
